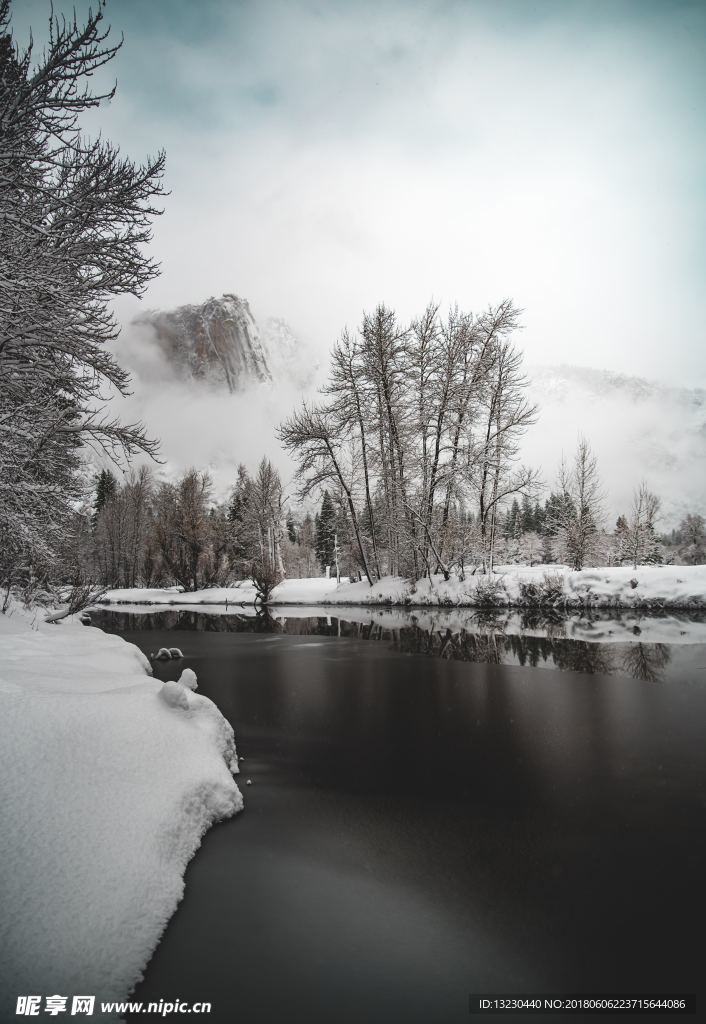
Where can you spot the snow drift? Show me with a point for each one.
(108, 785)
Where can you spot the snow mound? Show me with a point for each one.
(188, 679)
(175, 696)
(106, 793)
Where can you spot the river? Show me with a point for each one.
(437, 810)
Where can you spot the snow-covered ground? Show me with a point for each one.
(657, 587)
(107, 785)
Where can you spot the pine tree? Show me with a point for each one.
(527, 523)
(326, 532)
(241, 536)
(106, 487)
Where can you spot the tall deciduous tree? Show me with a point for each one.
(640, 539)
(579, 512)
(417, 424)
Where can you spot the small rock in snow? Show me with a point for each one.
(162, 654)
(175, 652)
(248, 782)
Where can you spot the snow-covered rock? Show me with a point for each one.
(175, 695)
(106, 791)
(218, 342)
(188, 679)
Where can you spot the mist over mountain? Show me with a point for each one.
(219, 342)
(638, 428)
(214, 382)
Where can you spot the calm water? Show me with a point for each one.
(430, 816)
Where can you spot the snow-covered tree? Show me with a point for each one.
(191, 537)
(326, 532)
(691, 538)
(640, 541)
(416, 424)
(75, 218)
(579, 512)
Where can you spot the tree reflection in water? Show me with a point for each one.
(485, 636)
(646, 661)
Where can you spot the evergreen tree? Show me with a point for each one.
(241, 539)
(512, 521)
(527, 523)
(326, 532)
(291, 527)
(106, 487)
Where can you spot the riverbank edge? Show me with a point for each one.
(551, 587)
(50, 667)
(568, 606)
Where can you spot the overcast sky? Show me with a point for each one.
(326, 156)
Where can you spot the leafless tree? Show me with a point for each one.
(640, 540)
(415, 421)
(191, 535)
(505, 414)
(265, 509)
(580, 513)
(325, 457)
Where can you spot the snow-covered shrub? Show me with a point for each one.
(265, 577)
(552, 587)
(530, 592)
(489, 590)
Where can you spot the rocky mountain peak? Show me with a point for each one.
(217, 341)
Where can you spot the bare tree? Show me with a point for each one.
(493, 458)
(265, 508)
(640, 539)
(324, 457)
(580, 512)
(190, 535)
(414, 421)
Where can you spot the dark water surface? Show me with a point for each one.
(420, 828)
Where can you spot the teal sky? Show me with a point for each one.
(323, 157)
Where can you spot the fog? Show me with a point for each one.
(325, 157)
(201, 425)
(638, 430)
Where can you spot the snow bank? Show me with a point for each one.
(656, 587)
(304, 591)
(106, 790)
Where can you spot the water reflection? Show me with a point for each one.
(646, 661)
(616, 644)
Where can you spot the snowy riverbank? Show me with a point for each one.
(107, 788)
(651, 587)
